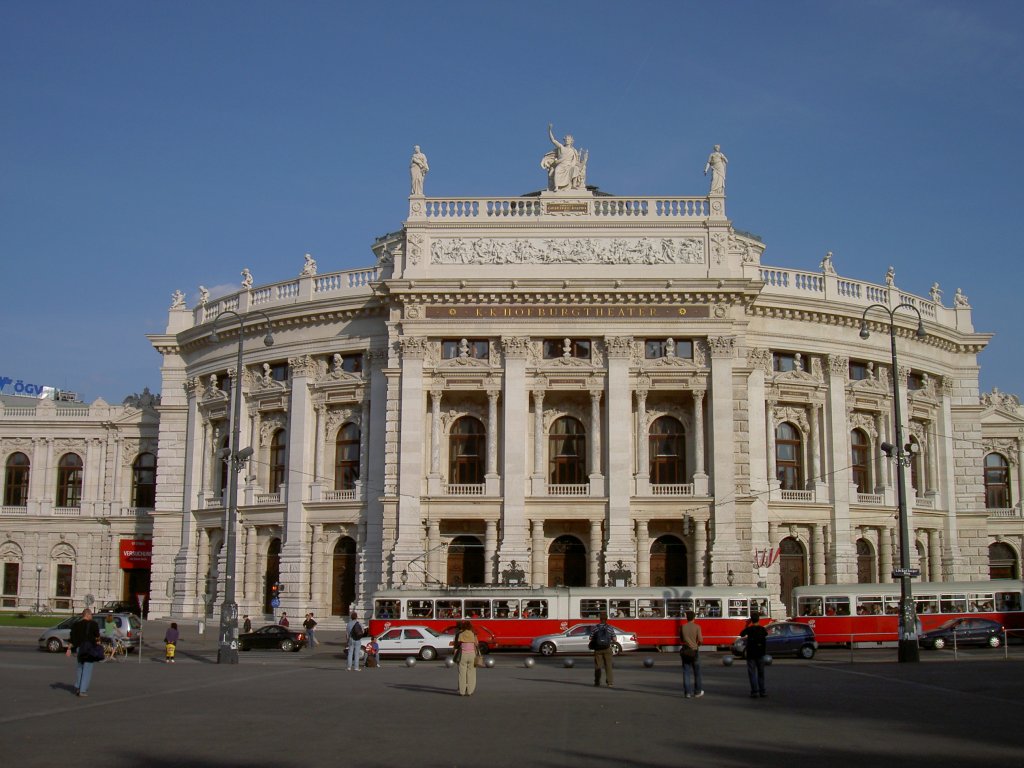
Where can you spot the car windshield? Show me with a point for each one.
(949, 624)
(429, 631)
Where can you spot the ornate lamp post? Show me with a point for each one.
(227, 643)
(39, 583)
(903, 454)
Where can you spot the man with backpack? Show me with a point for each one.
(601, 640)
(354, 630)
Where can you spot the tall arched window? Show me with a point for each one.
(467, 450)
(144, 481)
(1002, 561)
(789, 457)
(667, 446)
(997, 482)
(69, 480)
(222, 472)
(915, 465)
(346, 458)
(567, 445)
(860, 460)
(278, 460)
(16, 480)
(865, 562)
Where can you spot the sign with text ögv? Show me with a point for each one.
(569, 312)
(136, 553)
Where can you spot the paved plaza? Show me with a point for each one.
(305, 710)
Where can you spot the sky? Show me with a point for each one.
(154, 146)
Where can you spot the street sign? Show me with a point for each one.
(275, 603)
(898, 573)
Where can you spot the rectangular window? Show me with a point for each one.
(1007, 601)
(760, 605)
(809, 606)
(837, 606)
(591, 609)
(621, 609)
(869, 605)
(478, 609)
(655, 349)
(709, 609)
(386, 609)
(915, 381)
(420, 609)
(891, 605)
(651, 609)
(535, 609)
(11, 573)
(859, 371)
(738, 607)
(784, 361)
(981, 603)
(506, 609)
(65, 573)
(953, 603)
(477, 349)
(926, 603)
(556, 348)
(352, 363)
(449, 609)
(279, 372)
(677, 607)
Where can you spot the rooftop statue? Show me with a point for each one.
(246, 278)
(204, 295)
(566, 166)
(308, 267)
(826, 264)
(716, 164)
(936, 293)
(418, 169)
(177, 300)
(960, 300)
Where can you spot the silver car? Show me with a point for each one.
(57, 638)
(412, 641)
(577, 640)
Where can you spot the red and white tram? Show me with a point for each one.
(869, 613)
(510, 617)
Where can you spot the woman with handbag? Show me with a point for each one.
(466, 654)
(85, 644)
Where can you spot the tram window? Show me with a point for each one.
(387, 609)
(953, 603)
(981, 603)
(677, 607)
(420, 609)
(449, 609)
(535, 609)
(892, 605)
(837, 606)
(478, 609)
(738, 607)
(869, 605)
(651, 609)
(760, 606)
(622, 609)
(591, 609)
(809, 606)
(1007, 601)
(506, 609)
(709, 609)
(927, 604)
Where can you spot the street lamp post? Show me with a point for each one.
(227, 643)
(903, 454)
(39, 584)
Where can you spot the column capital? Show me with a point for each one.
(619, 347)
(515, 346)
(722, 347)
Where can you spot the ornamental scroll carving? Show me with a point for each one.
(413, 347)
(839, 366)
(865, 422)
(305, 366)
(1008, 448)
(269, 424)
(722, 346)
(758, 358)
(338, 416)
(515, 346)
(567, 250)
(133, 448)
(997, 399)
(619, 346)
(796, 416)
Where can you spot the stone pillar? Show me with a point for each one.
(320, 430)
(952, 567)
(929, 459)
(1020, 477)
(594, 555)
(38, 471)
(700, 475)
(816, 478)
(409, 539)
(538, 442)
(373, 470)
(251, 587)
(934, 556)
(436, 555)
(887, 550)
(880, 478)
(435, 487)
(538, 569)
(700, 551)
(643, 554)
(759, 362)
(490, 550)
(364, 447)
(643, 459)
(492, 432)
(316, 566)
(817, 554)
(843, 564)
(595, 433)
(769, 417)
(725, 547)
(619, 544)
(301, 444)
(514, 434)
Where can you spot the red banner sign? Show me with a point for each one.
(136, 553)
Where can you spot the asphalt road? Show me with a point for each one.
(292, 710)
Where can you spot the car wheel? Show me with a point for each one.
(806, 652)
(288, 645)
(939, 643)
(427, 653)
(548, 649)
(616, 649)
(995, 641)
(243, 647)
(54, 645)
(484, 648)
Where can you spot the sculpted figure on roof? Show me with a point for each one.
(566, 166)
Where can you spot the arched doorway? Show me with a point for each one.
(1002, 561)
(567, 563)
(792, 568)
(465, 561)
(668, 562)
(865, 562)
(272, 574)
(343, 576)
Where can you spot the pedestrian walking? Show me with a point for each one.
(284, 619)
(171, 642)
(690, 641)
(85, 644)
(354, 631)
(246, 623)
(310, 626)
(466, 652)
(601, 640)
(757, 648)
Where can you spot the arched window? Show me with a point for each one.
(16, 480)
(466, 561)
(69, 480)
(865, 562)
(915, 464)
(278, 460)
(860, 460)
(1002, 561)
(271, 576)
(223, 470)
(667, 451)
(567, 445)
(789, 457)
(346, 458)
(792, 568)
(567, 563)
(144, 481)
(467, 449)
(668, 562)
(997, 482)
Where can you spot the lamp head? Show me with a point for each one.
(223, 453)
(864, 333)
(268, 340)
(920, 329)
(245, 453)
(888, 449)
(214, 336)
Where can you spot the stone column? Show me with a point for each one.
(515, 438)
(700, 474)
(490, 549)
(769, 416)
(843, 564)
(619, 544)
(817, 555)
(595, 433)
(434, 561)
(251, 588)
(409, 540)
(643, 459)
(643, 554)
(816, 479)
(594, 555)
(700, 551)
(364, 447)
(492, 432)
(538, 569)
(1020, 476)
(886, 549)
(320, 430)
(38, 471)
(934, 555)
(538, 439)
(435, 487)
(880, 479)
(301, 444)
(929, 460)
(373, 470)
(725, 547)
(316, 566)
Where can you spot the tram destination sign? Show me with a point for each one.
(569, 312)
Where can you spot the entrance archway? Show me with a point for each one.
(865, 562)
(343, 576)
(465, 561)
(1002, 561)
(567, 563)
(792, 568)
(272, 574)
(668, 562)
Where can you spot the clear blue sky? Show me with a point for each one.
(151, 146)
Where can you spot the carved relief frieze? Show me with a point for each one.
(797, 416)
(269, 424)
(131, 448)
(749, 251)
(719, 243)
(415, 248)
(515, 346)
(722, 346)
(63, 553)
(413, 347)
(864, 421)
(701, 353)
(839, 366)
(65, 445)
(10, 552)
(1008, 448)
(12, 444)
(568, 250)
(304, 366)
(336, 417)
(619, 347)
(760, 359)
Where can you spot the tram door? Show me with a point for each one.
(343, 576)
(792, 568)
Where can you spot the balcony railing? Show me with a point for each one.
(268, 498)
(870, 498)
(581, 489)
(464, 489)
(5, 510)
(136, 511)
(924, 502)
(672, 489)
(1012, 512)
(67, 511)
(346, 495)
(797, 495)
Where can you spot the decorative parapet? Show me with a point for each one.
(560, 208)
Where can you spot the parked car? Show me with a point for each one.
(486, 639)
(965, 632)
(57, 638)
(576, 639)
(270, 637)
(412, 640)
(784, 637)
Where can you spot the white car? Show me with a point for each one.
(577, 640)
(413, 640)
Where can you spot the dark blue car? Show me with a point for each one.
(963, 631)
(784, 638)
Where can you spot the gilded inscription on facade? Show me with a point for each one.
(569, 312)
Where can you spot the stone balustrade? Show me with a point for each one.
(556, 208)
(582, 489)
(464, 489)
(672, 489)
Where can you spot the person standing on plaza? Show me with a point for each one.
(310, 626)
(171, 642)
(354, 632)
(85, 636)
(466, 650)
(691, 639)
(284, 619)
(601, 640)
(756, 650)
(246, 623)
